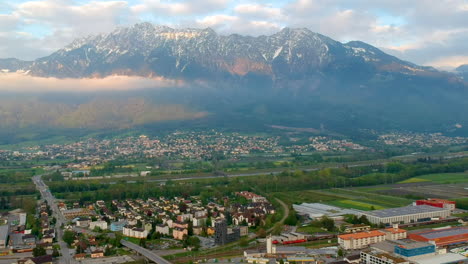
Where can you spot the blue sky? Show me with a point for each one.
(427, 32)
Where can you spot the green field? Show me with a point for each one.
(413, 180)
(440, 178)
(298, 197)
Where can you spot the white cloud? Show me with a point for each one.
(227, 24)
(19, 82)
(216, 20)
(449, 62)
(259, 11)
(187, 7)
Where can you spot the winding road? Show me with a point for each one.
(286, 214)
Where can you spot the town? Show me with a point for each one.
(95, 231)
(179, 144)
(107, 201)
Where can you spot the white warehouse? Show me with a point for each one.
(405, 215)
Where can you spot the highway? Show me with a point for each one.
(145, 252)
(51, 201)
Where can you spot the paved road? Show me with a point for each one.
(47, 196)
(145, 252)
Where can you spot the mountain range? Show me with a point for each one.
(295, 77)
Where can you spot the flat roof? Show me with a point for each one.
(442, 258)
(389, 245)
(434, 234)
(406, 210)
(384, 255)
(319, 210)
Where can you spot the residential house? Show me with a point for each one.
(179, 233)
(134, 232)
(97, 254)
(101, 224)
(162, 229)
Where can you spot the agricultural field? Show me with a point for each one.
(424, 190)
(444, 178)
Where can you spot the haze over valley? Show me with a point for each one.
(294, 77)
(222, 131)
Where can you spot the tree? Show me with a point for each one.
(340, 252)
(194, 242)
(107, 251)
(208, 221)
(261, 233)
(79, 249)
(39, 251)
(55, 253)
(363, 220)
(190, 229)
(228, 217)
(328, 223)
(68, 237)
(292, 218)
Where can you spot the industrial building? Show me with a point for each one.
(442, 237)
(318, 210)
(406, 248)
(441, 203)
(3, 236)
(407, 214)
(449, 258)
(289, 238)
(414, 249)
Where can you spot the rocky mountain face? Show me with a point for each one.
(11, 64)
(295, 77)
(148, 50)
